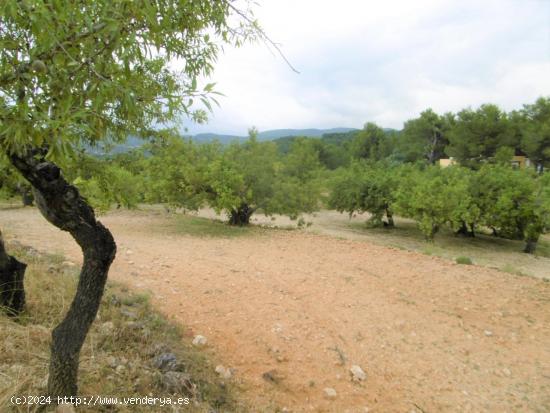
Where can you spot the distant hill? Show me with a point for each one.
(270, 135)
(210, 137)
(335, 136)
(316, 133)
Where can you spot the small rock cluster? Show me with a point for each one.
(357, 375)
(173, 379)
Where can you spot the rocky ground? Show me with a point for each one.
(314, 323)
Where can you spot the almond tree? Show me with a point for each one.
(90, 72)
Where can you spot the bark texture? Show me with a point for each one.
(530, 245)
(241, 216)
(62, 205)
(389, 216)
(12, 290)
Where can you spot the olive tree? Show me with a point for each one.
(86, 73)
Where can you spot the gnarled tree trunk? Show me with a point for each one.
(465, 231)
(241, 216)
(62, 205)
(26, 195)
(12, 290)
(531, 245)
(389, 216)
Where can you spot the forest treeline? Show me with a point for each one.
(380, 171)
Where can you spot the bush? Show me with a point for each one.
(464, 260)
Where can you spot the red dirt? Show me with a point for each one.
(431, 335)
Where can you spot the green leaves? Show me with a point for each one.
(513, 203)
(101, 69)
(250, 174)
(366, 187)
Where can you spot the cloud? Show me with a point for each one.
(383, 61)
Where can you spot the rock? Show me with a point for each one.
(272, 376)
(69, 264)
(507, 372)
(111, 361)
(129, 252)
(199, 340)
(488, 333)
(277, 328)
(166, 362)
(330, 392)
(223, 372)
(129, 314)
(134, 325)
(158, 349)
(65, 408)
(177, 382)
(357, 373)
(120, 369)
(107, 328)
(115, 301)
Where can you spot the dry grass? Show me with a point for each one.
(125, 333)
(484, 249)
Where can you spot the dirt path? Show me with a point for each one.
(431, 335)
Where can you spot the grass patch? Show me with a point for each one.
(464, 260)
(543, 248)
(483, 250)
(118, 356)
(204, 227)
(510, 269)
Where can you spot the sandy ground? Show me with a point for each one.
(431, 335)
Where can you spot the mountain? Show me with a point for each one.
(269, 135)
(210, 137)
(316, 133)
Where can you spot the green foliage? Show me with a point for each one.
(425, 196)
(477, 135)
(91, 72)
(175, 171)
(366, 187)
(371, 143)
(238, 179)
(463, 195)
(536, 139)
(12, 184)
(250, 176)
(425, 137)
(103, 183)
(464, 260)
(506, 197)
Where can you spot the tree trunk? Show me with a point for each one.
(530, 245)
(62, 205)
(389, 216)
(26, 195)
(241, 216)
(464, 231)
(532, 235)
(12, 289)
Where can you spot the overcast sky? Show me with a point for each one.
(382, 61)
